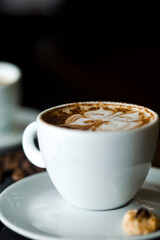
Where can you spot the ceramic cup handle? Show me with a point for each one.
(31, 151)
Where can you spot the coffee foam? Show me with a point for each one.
(9, 73)
(100, 116)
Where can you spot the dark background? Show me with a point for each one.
(82, 52)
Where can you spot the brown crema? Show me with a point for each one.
(99, 116)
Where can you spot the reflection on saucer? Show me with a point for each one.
(23, 117)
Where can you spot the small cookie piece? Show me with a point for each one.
(140, 222)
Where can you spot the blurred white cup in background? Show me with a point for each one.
(10, 94)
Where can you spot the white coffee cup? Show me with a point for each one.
(93, 170)
(10, 76)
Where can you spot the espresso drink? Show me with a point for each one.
(99, 116)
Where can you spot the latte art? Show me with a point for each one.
(105, 120)
(100, 116)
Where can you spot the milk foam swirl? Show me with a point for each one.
(105, 120)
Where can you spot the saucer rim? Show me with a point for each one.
(36, 236)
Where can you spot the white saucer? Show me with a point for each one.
(13, 138)
(33, 208)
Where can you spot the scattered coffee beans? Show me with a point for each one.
(17, 165)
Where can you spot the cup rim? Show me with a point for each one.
(156, 118)
(14, 72)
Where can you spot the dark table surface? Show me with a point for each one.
(9, 176)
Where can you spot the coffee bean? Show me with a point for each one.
(18, 174)
(17, 165)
